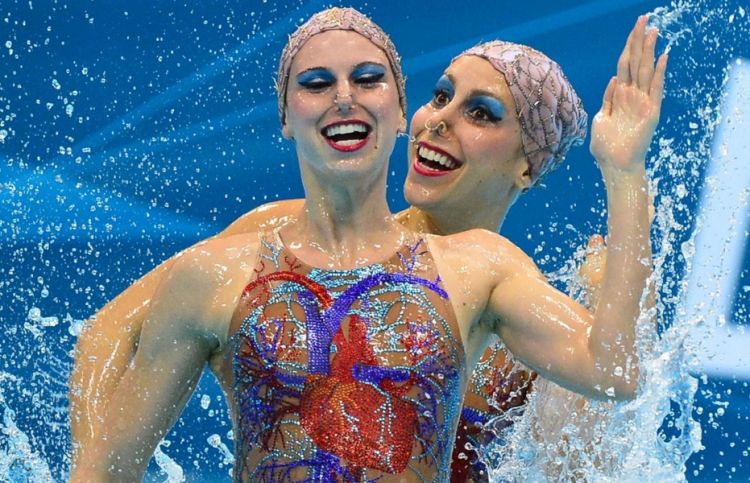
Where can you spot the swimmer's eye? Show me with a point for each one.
(485, 109)
(440, 98)
(316, 84)
(370, 79)
(443, 92)
(482, 114)
(315, 79)
(367, 75)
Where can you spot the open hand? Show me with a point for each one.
(622, 130)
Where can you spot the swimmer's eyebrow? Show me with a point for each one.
(485, 93)
(479, 92)
(495, 105)
(445, 78)
(446, 84)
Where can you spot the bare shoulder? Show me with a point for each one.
(216, 259)
(485, 249)
(205, 282)
(264, 217)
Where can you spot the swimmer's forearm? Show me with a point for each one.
(146, 403)
(628, 267)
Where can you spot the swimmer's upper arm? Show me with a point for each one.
(102, 353)
(172, 353)
(545, 328)
(109, 340)
(264, 217)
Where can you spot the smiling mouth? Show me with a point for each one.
(431, 161)
(347, 136)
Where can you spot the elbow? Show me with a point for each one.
(626, 392)
(620, 392)
(623, 388)
(86, 472)
(100, 461)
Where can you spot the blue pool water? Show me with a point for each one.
(130, 130)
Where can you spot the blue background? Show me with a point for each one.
(173, 134)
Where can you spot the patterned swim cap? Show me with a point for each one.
(551, 115)
(337, 19)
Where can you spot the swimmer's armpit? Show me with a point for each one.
(171, 355)
(107, 345)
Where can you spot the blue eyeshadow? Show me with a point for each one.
(494, 106)
(368, 70)
(445, 84)
(314, 75)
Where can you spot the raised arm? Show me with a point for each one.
(108, 342)
(540, 324)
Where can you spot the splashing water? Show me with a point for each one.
(82, 214)
(18, 462)
(562, 437)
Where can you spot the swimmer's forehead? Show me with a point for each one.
(476, 76)
(338, 49)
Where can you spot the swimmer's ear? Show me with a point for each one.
(286, 131)
(402, 123)
(523, 177)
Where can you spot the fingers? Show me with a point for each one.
(595, 248)
(656, 89)
(609, 94)
(646, 69)
(623, 63)
(636, 48)
(592, 268)
(636, 62)
(595, 243)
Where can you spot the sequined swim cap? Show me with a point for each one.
(337, 19)
(550, 112)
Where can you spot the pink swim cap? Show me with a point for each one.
(551, 115)
(338, 19)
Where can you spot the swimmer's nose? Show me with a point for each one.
(343, 99)
(437, 124)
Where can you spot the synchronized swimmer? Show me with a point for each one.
(344, 335)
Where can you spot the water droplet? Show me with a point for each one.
(214, 440)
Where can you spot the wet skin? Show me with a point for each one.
(480, 244)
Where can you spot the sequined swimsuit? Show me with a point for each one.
(352, 375)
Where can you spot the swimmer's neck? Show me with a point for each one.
(345, 220)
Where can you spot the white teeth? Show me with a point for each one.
(348, 142)
(345, 129)
(439, 158)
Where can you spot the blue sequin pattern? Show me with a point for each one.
(352, 375)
